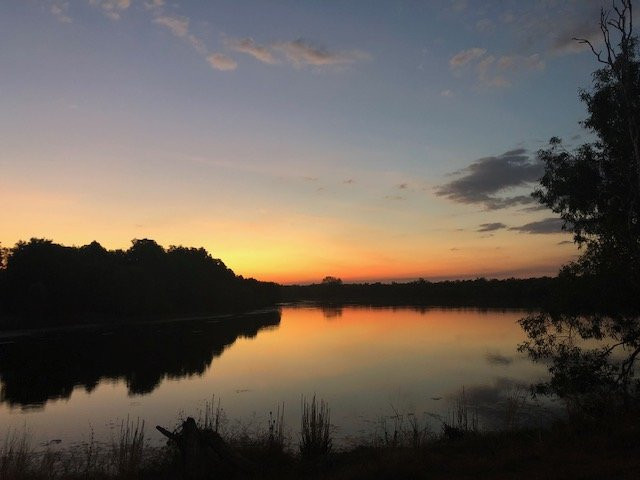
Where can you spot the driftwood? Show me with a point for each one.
(205, 454)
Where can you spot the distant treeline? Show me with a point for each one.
(517, 293)
(45, 283)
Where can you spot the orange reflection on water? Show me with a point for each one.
(364, 361)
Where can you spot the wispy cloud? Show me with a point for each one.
(495, 72)
(546, 226)
(485, 25)
(112, 8)
(487, 76)
(551, 26)
(60, 11)
(179, 26)
(298, 53)
(486, 178)
(154, 4)
(301, 52)
(521, 62)
(221, 62)
(248, 46)
(465, 57)
(459, 5)
(447, 93)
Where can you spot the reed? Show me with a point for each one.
(128, 448)
(15, 453)
(315, 434)
(275, 437)
(463, 418)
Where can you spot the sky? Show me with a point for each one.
(294, 139)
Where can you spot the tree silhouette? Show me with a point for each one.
(46, 283)
(596, 191)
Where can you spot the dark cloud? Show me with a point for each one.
(548, 225)
(484, 179)
(490, 227)
(403, 186)
(349, 181)
(498, 359)
(565, 242)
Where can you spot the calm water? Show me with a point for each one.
(366, 362)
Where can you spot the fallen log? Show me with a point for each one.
(205, 454)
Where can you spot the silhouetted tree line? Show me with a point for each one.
(524, 293)
(42, 282)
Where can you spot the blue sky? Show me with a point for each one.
(293, 139)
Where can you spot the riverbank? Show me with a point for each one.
(98, 325)
(576, 448)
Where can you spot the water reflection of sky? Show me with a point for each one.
(366, 362)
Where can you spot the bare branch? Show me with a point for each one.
(584, 41)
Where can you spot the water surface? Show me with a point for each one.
(366, 362)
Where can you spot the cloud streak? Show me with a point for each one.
(111, 8)
(546, 226)
(491, 227)
(301, 52)
(484, 180)
(179, 26)
(59, 10)
(491, 71)
(465, 57)
(221, 62)
(249, 47)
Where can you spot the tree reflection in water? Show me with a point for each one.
(49, 366)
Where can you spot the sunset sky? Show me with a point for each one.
(294, 139)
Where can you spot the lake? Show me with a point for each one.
(368, 363)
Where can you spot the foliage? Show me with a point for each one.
(592, 335)
(331, 281)
(45, 282)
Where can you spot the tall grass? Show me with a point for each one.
(463, 418)
(405, 430)
(515, 402)
(128, 448)
(15, 454)
(275, 436)
(315, 434)
(212, 416)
